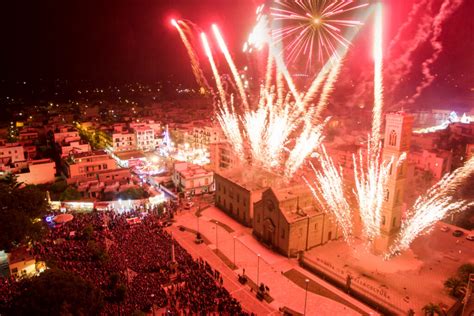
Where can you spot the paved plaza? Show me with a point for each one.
(408, 281)
(284, 277)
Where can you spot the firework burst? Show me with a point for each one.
(306, 26)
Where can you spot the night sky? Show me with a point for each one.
(115, 40)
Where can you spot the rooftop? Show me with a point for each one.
(252, 178)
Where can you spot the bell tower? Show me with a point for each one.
(398, 129)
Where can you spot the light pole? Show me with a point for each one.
(305, 296)
(467, 296)
(197, 219)
(235, 237)
(258, 269)
(217, 244)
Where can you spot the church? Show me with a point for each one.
(287, 218)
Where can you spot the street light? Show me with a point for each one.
(258, 269)
(217, 244)
(306, 295)
(235, 237)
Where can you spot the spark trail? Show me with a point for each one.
(215, 72)
(196, 67)
(433, 206)
(378, 76)
(446, 11)
(233, 68)
(328, 190)
(371, 176)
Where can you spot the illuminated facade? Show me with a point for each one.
(398, 130)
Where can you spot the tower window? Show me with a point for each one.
(392, 140)
(383, 220)
(386, 195)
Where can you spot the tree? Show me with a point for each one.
(455, 286)
(431, 309)
(11, 181)
(70, 194)
(21, 213)
(464, 271)
(57, 292)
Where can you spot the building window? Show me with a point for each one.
(392, 140)
(383, 220)
(258, 218)
(282, 233)
(386, 195)
(104, 166)
(393, 221)
(316, 227)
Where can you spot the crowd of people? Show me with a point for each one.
(157, 276)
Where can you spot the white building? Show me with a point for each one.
(145, 138)
(192, 179)
(66, 133)
(204, 136)
(38, 172)
(74, 147)
(11, 152)
(124, 141)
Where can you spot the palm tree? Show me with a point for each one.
(431, 309)
(455, 286)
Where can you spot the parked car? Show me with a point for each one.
(458, 233)
(470, 237)
(444, 228)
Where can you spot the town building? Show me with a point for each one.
(21, 263)
(222, 157)
(438, 162)
(124, 140)
(204, 136)
(145, 138)
(289, 221)
(37, 172)
(11, 153)
(192, 179)
(65, 134)
(86, 166)
(73, 147)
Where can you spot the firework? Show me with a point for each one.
(217, 77)
(265, 132)
(432, 207)
(371, 175)
(196, 67)
(328, 190)
(230, 62)
(260, 34)
(447, 9)
(312, 24)
(327, 88)
(378, 78)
